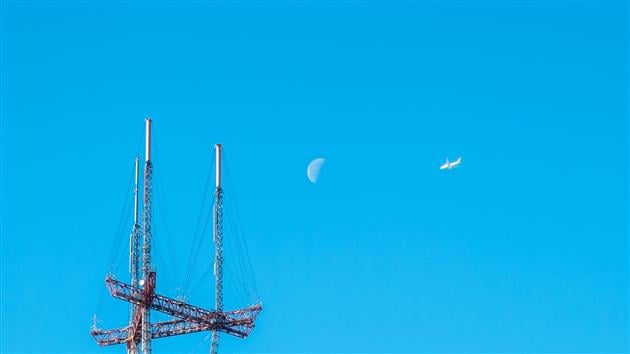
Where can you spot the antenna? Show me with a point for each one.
(218, 247)
(132, 347)
(146, 246)
(141, 294)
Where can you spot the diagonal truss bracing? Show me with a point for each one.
(190, 318)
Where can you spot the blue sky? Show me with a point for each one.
(522, 249)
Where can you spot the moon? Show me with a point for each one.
(313, 169)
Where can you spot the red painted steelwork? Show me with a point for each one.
(190, 318)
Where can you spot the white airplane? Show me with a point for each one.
(450, 165)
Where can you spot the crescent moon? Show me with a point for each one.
(313, 169)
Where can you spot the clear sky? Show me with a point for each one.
(524, 248)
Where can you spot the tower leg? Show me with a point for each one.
(214, 345)
(218, 242)
(146, 246)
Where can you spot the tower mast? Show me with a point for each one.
(218, 247)
(132, 346)
(186, 318)
(146, 247)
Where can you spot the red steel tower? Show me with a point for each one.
(141, 294)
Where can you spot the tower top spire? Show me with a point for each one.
(218, 150)
(147, 153)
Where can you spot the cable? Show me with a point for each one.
(113, 258)
(244, 264)
(197, 235)
(162, 218)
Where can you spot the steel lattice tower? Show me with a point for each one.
(146, 246)
(218, 248)
(134, 269)
(141, 293)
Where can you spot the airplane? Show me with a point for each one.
(450, 165)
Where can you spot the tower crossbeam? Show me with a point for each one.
(141, 294)
(238, 323)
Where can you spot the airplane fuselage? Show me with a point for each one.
(450, 165)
